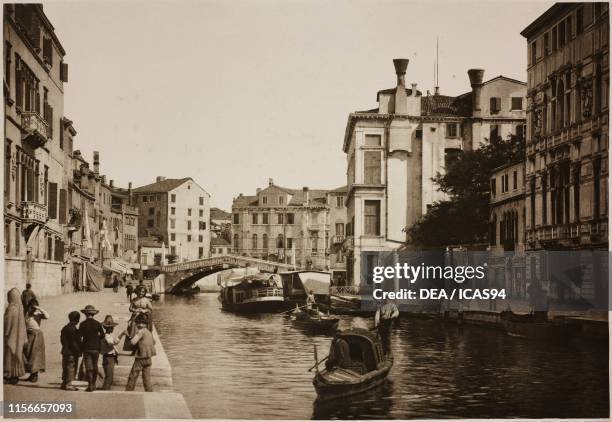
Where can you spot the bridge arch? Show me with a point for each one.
(183, 275)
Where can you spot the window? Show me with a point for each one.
(419, 134)
(568, 28)
(493, 132)
(579, 20)
(289, 243)
(281, 200)
(150, 223)
(173, 236)
(264, 200)
(188, 238)
(517, 103)
(265, 218)
(201, 200)
(533, 53)
(47, 51)
(172, 223)
(554, 39)
(201, 213)
(201, 252)
(52, 199)
(561, 33)
(200, 238)
(495, 104)
(315, 241)
(546, 44)
(236, 218)
(520, 131)
(7, 62)
(493, 187)
(188, 225)
(188, 212)
(236, 242)
(173, 250)
(291, 218)
(254, 241)
(172, 211)
(451, 130)
(173, 197)
(281, 219)
(515, 180)
(339, 229)
(151, 211)
(373, 141)
(372, 167)
(264, 241)
(202, 225)
(372, 218)
(339, 201)
(255, 215)
(17, 238)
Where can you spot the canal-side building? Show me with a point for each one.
(177, 212)
(394, 151)
(286, 225)
(566, 167)
(35, 180)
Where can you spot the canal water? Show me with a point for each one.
(256, 367)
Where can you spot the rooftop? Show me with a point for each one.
(162, 186)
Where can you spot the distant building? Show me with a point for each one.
(395, 150)
(286, 225)
(220, 246)
(151, 251)
(177, 211)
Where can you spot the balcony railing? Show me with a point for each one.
(34, 212)
(36, 130)
(338, 239)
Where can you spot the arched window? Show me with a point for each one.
(236, 242)
(264, 241)
(560, 118)
(255, 241)
(280, 241)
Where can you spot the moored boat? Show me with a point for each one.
(538, 327)
(252, 294)
(367, 368)
(314, 320)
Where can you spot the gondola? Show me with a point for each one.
(368, 367)
(314, 320)
(536, 326)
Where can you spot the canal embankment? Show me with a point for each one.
(164, 402)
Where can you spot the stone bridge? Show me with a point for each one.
(183, 275)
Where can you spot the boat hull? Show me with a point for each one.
(263, 305)
(337, 384)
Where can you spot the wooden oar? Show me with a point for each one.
(316, 365)
(293, 309)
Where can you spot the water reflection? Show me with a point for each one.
(255, 367)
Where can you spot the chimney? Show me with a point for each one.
(103, 178)
(306, 195)
(401, 102)
(130, 196)
(160, 178)
(436, 90)
(476, 76)
(111, 183)
(96, 162)
(270, 182)
(414, 89)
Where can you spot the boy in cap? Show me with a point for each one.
(91, 333)
(145, 350)
(71, 350)
(109, 352)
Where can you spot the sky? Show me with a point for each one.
(234, 92)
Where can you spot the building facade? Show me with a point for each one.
(566, 189)
(177, 213)
(36, 177)
(394, 151)
(288, 225)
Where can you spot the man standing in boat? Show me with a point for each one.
(310, 301)
(339, 354)
(383, 321)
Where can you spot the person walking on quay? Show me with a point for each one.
(128, 292)
(35, 348)
(383, 320)
(115, 283)
(15, 338)
(71, 350)
(91, 333)
(26, 296)
(141, 305)
(109, 352)
(145, 350)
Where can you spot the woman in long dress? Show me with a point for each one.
(35, 350)
(15, 337)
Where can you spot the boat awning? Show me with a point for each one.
(319, 283)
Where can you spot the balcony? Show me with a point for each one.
(34, 129)
(338, 239)
(33, 212)
(124, 209)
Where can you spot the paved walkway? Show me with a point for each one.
(163, 403)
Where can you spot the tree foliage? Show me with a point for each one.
(464, 218)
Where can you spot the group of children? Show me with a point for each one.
(92, 339)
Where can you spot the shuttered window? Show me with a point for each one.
(372, 167)
(371, 216)
(52, 200)
(495, 104)
(63, 199)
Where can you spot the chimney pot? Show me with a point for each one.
(400, 70)
(130, 185)
(160, 178)
(476, 76)
(436, 90)
(414, 89)
(111, 183)
(270, 181)
(96, 162)
(103, 178)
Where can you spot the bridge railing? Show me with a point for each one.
(240, 261)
